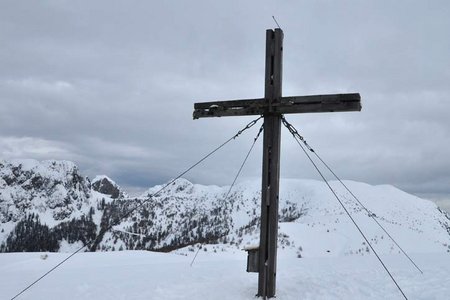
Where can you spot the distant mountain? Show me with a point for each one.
(55, 190)
(105, 185)
(49, 206)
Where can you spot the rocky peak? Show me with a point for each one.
(105, 185)
(30, 184)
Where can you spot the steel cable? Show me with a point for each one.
(235, 178)
(294, 132)
(343, 206)
(249, 125)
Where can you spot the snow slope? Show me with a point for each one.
(312, 221)
(148, 275)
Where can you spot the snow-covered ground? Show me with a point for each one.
(149, 275)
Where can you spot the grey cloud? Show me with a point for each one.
(111, 85)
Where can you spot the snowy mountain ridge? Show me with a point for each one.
(50, 201)
(54, 187)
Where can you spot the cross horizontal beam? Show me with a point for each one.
(287, 105)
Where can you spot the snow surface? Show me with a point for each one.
(149, 275)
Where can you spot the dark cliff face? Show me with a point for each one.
(105, 186)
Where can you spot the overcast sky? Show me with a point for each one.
(110, 85)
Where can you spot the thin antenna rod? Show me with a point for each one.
(273, 17)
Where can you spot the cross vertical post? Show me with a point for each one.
(271, 165)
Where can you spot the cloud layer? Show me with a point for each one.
(111, 85)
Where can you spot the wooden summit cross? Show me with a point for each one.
(272, 107)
